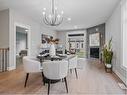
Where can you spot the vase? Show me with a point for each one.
(108, 65)
(52, 50)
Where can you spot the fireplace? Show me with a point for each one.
(94, 52)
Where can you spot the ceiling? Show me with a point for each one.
(83, 13)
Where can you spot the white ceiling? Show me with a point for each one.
(84, 13)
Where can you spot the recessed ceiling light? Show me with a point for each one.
(26, 30)
(69, 19)
(75, 27)
(96, 29)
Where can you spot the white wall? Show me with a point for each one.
(113, 29)
(35, 34)
(62, 37)
(4, 28)
(48, 31)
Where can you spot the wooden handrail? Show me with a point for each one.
(4, 48)
(4, 59)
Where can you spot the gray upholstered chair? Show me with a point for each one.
(31, 65)
(55, 70)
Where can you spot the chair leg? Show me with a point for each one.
(76, 73)
(49, 86)
(43, 78)
(27, 75)
(62, 80)
(66, 84)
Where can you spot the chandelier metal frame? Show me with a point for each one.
(53, 19)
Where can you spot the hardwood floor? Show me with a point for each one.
(92, 80)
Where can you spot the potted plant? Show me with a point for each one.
(108, 54)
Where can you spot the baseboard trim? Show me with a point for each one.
(11, 68)
(121, 77)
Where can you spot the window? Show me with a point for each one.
(82, 45)
(124, 31)
(77, 45)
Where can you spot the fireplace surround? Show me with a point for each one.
(94, 52)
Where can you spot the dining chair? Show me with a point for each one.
(73, 65)
(31, 65)
(55, 70)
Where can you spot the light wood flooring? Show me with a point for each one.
(92, 80)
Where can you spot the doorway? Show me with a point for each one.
(76, 43)
(21, 44)
(12, 40)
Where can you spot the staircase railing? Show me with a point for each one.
(4, 59)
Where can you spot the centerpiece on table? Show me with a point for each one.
(52, 42)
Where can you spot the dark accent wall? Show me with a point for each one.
(92, 30)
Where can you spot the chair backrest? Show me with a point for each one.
(55, 69)
(73, 62)
(31, 65)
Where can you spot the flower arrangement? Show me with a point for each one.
(108, 53)
(54, 41)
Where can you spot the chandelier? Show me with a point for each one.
(53, 18)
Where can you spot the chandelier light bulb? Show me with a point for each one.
(55, 8)
(43, 13)
(62, 12)
(50, 16)
(58, 16)
(44, 9)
